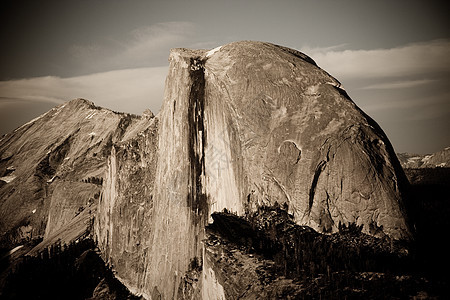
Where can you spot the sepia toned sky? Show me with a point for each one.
(393, 57)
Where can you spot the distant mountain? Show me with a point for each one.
(52, 168)
(435, 160)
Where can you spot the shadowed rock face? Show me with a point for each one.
(123, 224)
(243, 125)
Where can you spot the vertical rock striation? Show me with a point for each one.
(180, 199)
(123, 225)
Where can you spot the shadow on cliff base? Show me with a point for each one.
(330, 261)
(339, 265)
(74, 271)
(428, 206)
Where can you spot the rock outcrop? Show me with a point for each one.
(243, 125)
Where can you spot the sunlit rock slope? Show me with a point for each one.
(52, 169)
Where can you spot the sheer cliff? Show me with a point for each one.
(242, 126)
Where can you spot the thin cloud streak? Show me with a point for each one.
(439, 102)
(143, 47)
(398, 84)
(130, 90)
(411, 60)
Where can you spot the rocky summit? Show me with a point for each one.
(242, 126)
(52, 168)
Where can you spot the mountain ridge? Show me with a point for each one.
(434, 160)
(69, 143)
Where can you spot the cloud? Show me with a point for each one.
(310, 50)
(404, 88)
(130, 90)
(409, 79)
(142, 47)
(398, 84)
(160, 35)
(419, 59)
(401, 87)
(123, 73)
(439, 102)
(155, 39)
(84, 51)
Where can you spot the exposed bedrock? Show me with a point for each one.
(281, 129)
(244, 125)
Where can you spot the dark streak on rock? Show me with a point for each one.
(197, 200)
(320, 167)
(299, 156)
(48, 166)
(124, 122)
(326, 221)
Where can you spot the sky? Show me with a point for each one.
(392, 57)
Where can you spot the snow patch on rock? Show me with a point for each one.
(88, 117)
(8, 178)
(14, 250)
(427, 158)
(212, 51)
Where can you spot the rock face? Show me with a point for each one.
(297, 138)
(244, 125)
(52, 168)
(125, 215)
